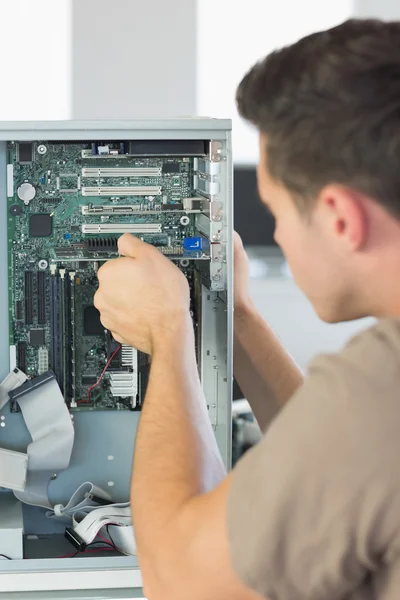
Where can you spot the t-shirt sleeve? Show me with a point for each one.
(312, 509)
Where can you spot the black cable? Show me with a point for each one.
(4, 556)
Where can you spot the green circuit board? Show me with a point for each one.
(67, 205)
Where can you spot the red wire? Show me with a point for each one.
(101, 376)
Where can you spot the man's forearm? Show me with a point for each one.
(267, 375)
(176, 455)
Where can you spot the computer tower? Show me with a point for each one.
(68, 190)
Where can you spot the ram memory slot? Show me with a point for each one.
(66, 332)
(72, 341)
(63, 317)
(55, 329)
(28, 297)
(41, 297)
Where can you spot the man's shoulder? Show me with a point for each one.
(373, 353)
(383, 336)
(370, 361)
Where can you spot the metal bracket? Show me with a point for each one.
(217, 267)
(211, 220)
(215, 151)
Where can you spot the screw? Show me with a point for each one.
(54, 476)
(216, 277)
(216, 237)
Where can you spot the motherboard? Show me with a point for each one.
(68, 202)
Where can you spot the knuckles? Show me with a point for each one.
(98, 300)
(104, 270)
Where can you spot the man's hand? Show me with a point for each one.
(143, 298)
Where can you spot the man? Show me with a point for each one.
(313, 512)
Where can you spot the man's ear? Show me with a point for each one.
(344, 215)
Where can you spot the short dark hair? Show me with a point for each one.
(330, 108)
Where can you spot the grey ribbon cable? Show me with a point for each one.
(49, 423)
(13, 380)
(86, 526)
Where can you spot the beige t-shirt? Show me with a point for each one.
(314, 509)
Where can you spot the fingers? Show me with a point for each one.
(118, 338)
(237, 242)
(129, 245)
(237, 238)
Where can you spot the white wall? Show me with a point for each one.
(232, 36)
(134, 58)
(35, 50)
(381, 9)
(97, 59)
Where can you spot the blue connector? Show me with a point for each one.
(193, 244)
